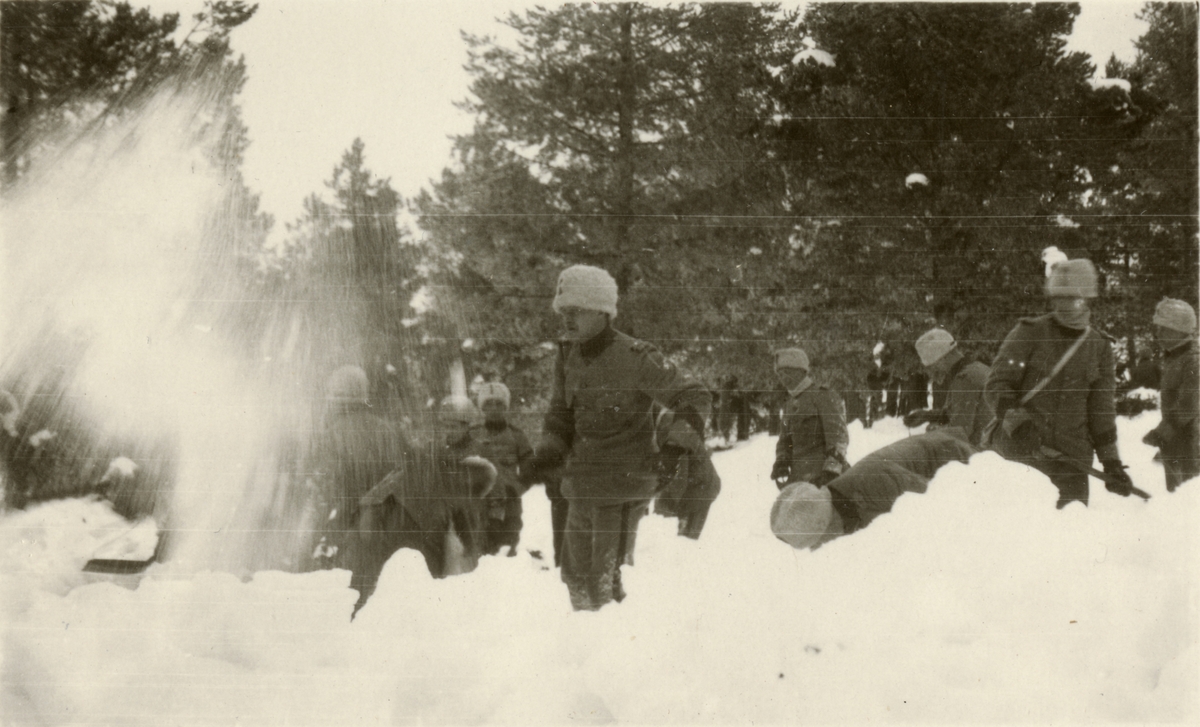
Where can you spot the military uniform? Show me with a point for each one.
(1075, 413)
(965, 409)
(871, 487)
(812, 443)
(1178, 435)
(507, 448)
(601, 420)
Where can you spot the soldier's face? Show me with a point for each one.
(791, 378)
(938, 369)
(1168, 338)
(494, 411)
(582, 325)
(1068, 306)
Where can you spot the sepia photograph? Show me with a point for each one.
(487, 362)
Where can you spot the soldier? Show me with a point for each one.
(353, 451)
(506, 447)
(1051, 386)
(601, 423)
(807, 516)
(813, 440)
(1178, 435)
(964, 411)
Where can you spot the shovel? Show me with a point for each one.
(1055, 455)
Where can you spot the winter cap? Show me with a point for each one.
(1072, 279)
(458, 409)
(586, 287)
(791, 358)
(802, 515)
(493, 391)
(1176, 315)
(348, 384)
(934, 344)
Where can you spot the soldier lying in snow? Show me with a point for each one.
(807, 516)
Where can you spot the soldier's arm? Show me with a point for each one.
(963, 402)
(1184, 413)
(783, 447)
(1101, 407)
(524, 454)
(1002, 390)
(837, 439)
(663, 382)
(558, 426)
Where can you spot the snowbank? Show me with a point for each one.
(977, 601)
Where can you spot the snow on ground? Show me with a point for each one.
(976, 602)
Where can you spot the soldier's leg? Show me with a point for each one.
(512, 523)
(558, 516)
(1072, 487)
(631, 515)
(612, 544)
(1180, 464)
(577, 555)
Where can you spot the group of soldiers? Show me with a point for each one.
(625, 426)
(1047, 400)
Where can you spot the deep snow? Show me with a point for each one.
(976, 602)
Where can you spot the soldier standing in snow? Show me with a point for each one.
(1178, 435)
(506, 447)
(812, 443)
(1051, 386)
(964, 410)
(601, 423)
(806, 516)
(354, 450)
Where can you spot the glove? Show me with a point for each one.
(917, 417)
(781, 473)
(1124, 485)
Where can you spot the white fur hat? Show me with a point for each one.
(1176, 315)
(586, 287)
(1072, 279)
(934, 344)
(803, 515)
(493, 391)
(791, 358)
(458, 409)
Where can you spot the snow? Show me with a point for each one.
(1121, 83)
(916, 179)
(1053, 256)
(976, 601)
(816, 55)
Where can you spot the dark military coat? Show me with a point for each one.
(1075, 413)
(966, 408)
(870, 488)
(1179, 430)
(601, 417)
(814, 436)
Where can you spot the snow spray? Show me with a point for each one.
(120, 328)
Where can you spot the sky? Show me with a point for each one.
(323, 72)
(975, 603)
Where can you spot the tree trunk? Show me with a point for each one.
(627, 91)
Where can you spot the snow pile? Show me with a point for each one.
(977, 601)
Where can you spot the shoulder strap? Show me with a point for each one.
(1057, 367)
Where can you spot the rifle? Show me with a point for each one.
(1055, 455)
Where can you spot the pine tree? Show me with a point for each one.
(945, 147)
